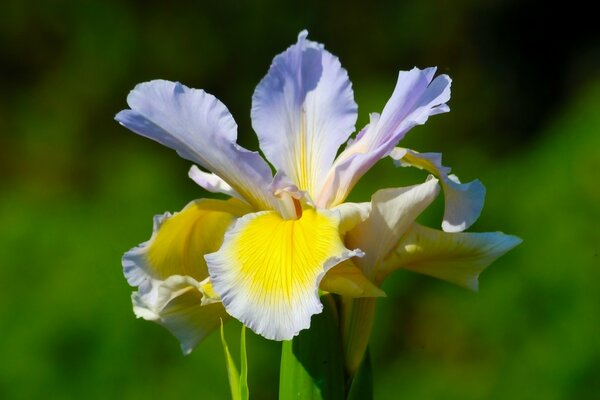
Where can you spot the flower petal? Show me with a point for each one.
(458, 258)
(464, 201)
(346, 279)
(212, 183)
(176, 304)
(415, 98)
(180, 241)
(392, 212)
(201, 129)
(303, 111)
(352, 214)
(268, 270)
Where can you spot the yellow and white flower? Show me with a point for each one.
(263, 255)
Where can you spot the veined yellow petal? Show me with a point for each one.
(170, 272)
(268, 270)
(179, 242)
(458, 258)
(347, 279)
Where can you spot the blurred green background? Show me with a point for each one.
(77, 190)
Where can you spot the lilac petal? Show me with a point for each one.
(415, 98)
(201, 129)
(303, 111)
(463, 201)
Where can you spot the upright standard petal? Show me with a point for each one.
(415, 98)
(458, 258)
(464, 201)
(268, 270)
(303, 111)
(392, 212)
(201, 129)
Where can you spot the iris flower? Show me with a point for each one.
(264, 255)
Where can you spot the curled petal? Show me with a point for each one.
(392, 212)
(458, 258)
(416, 97)
(268, 270)
(464, 201)
(177, 304)
(201, 129)
(303, 111)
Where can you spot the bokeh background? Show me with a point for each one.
(77, 190)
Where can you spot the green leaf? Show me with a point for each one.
(312, 366)
(238, 382)
(244, 392)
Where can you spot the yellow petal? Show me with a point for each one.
(347, 279)
(268, 270)
(179, 242)
(458, 258)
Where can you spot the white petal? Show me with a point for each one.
(464, 201)
(415, 98)
(303, 111)
(458, 258)
(393, 211)
(201, 129)
(176, 304)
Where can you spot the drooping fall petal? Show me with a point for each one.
(170, 272)
(177, 304)
(268, 270)
(458, 258)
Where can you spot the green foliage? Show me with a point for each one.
(312, 364)
(238, 381)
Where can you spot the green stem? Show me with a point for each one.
(312, 366)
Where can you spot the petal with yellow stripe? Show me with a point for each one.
(180, 241)
(170, 272)
(268, 270)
